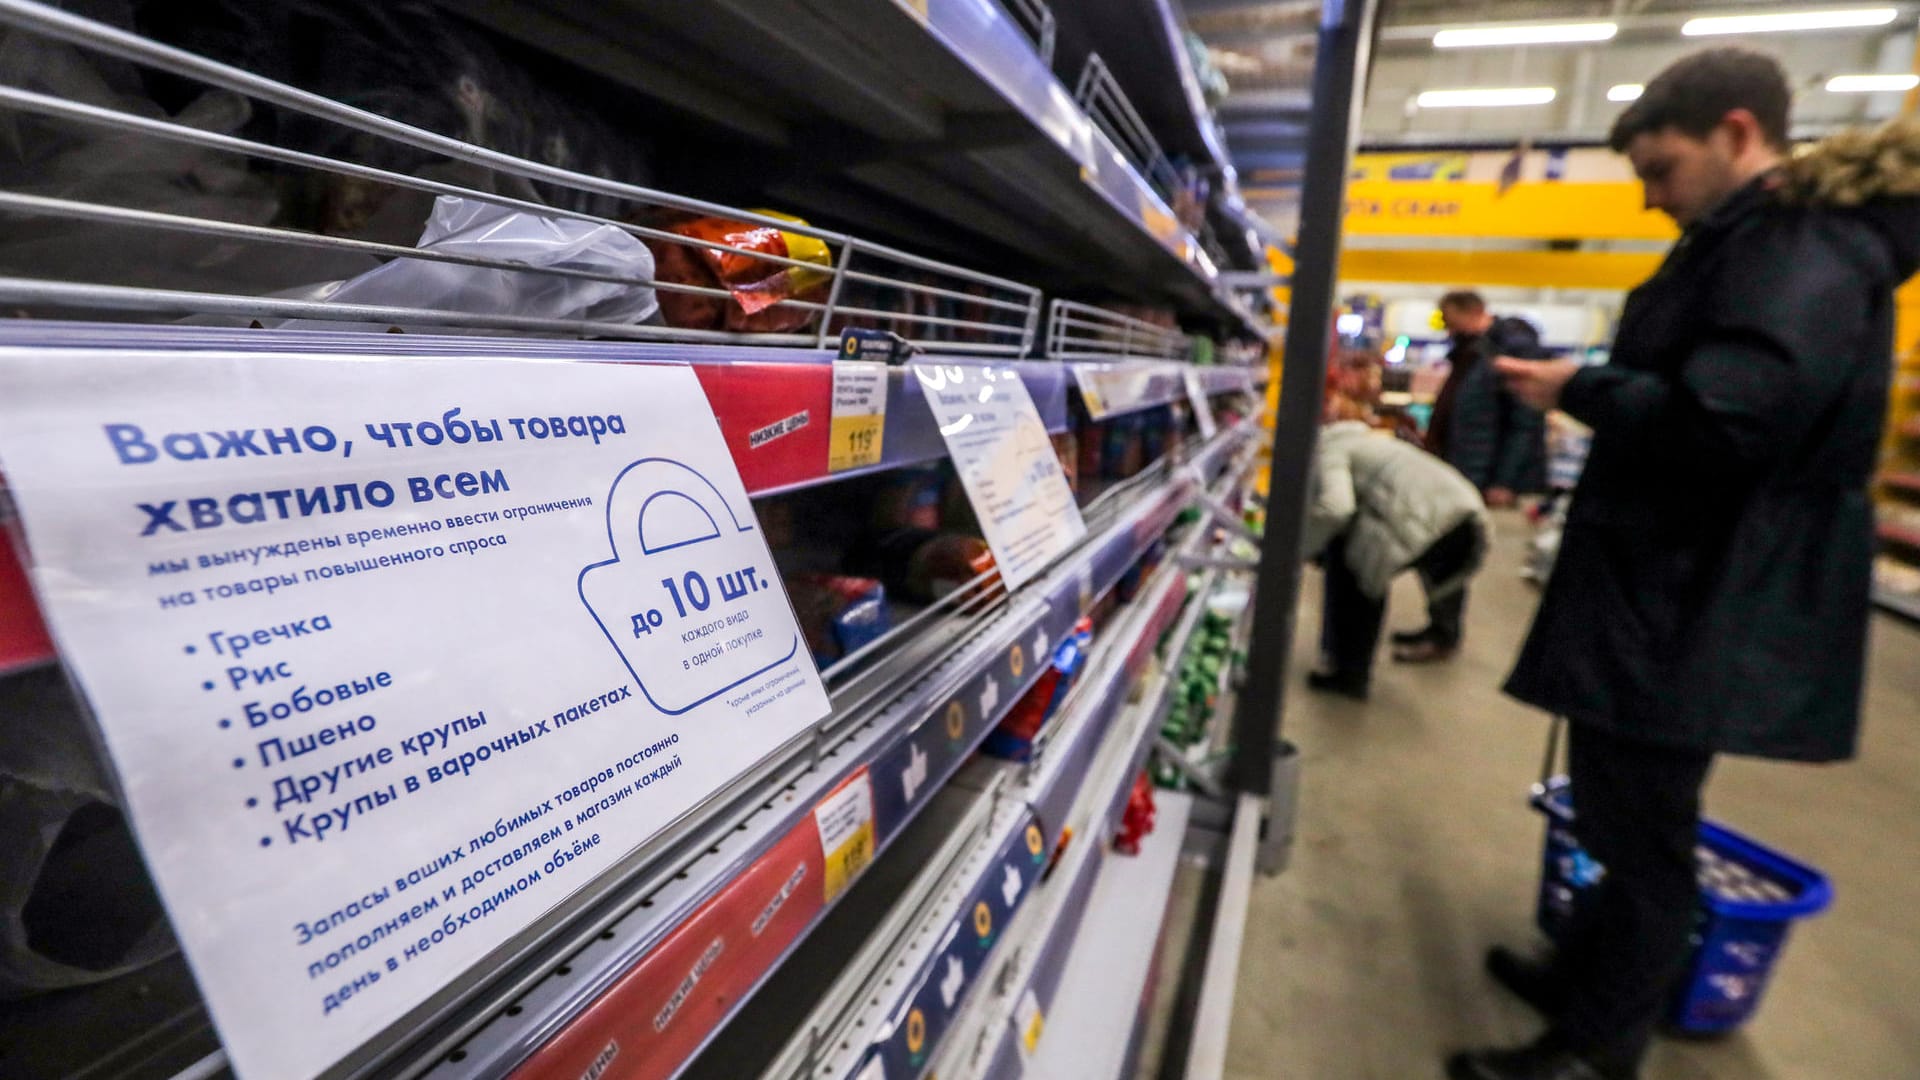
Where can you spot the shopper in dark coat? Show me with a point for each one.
(1712, 589)
(1490, 436)
(1477, 426)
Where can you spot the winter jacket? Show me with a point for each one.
(1392, 500)
(1712, 589)
(1486, 432)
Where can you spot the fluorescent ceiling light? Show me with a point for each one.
(1838, 19)
(1871, 84)
(1525, 34)
(1626, 91)
(1485, 99)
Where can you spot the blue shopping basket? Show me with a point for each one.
(1749, 899)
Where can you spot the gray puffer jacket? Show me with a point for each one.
(1392, 500)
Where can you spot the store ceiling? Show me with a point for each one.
(1407, 63)
(1267, 48)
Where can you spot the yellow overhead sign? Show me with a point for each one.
(1407, 168)
(1528, 211)
(1539, 269)
(1549, 269)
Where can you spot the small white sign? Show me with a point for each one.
(844, 813)
(1029, 1023)
(1006, 463)
(392, 656)
(1202, 406)
(1111, 389)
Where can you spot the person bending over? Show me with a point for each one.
(1382, 506)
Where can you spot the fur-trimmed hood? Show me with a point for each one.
(1872, 172)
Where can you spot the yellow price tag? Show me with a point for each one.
(1031, 1036)
(859, 420)
(845, 862)
(845, 821)
(854, 442)
(1032, 1023)
(1096, 401)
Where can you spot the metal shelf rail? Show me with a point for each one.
(1028, 972)
(1005, 325)
(1077, 331)
(970, 29)
(1100, 96)
(957, 134)
(908, 989)
(924, 734)
(751, 387)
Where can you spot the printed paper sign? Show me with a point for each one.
(859, 415)
(1006, 463)
(1202, 407)
(392, 656)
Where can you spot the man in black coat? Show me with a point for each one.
(1712, 590)
(1497, 442)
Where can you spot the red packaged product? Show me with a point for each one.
(756, 285)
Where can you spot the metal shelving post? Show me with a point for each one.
(1345, 39)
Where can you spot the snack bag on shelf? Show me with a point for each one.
(1013, 738)
(838, 614)
(921, 564)
(911, 498)
(756, 286)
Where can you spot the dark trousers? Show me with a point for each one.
(1637, 811)
(1350, 620)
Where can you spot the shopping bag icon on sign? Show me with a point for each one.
(689, 599)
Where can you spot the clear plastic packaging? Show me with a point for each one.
(471, 227)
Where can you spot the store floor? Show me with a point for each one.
(1415, 850)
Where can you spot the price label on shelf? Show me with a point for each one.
(1202, 406)
(859, 415)
(1030, 1022)
(1006, 463)
(1111, 389)
(845, 821)
(392, 657)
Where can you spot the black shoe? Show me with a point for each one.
(1412, 637)
(1531, 981)
(1336, 682)
(1543, 1059)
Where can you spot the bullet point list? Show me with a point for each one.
(238, 762)
(264, 841)
(191, 650)
(208, 685)
(251, 803)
